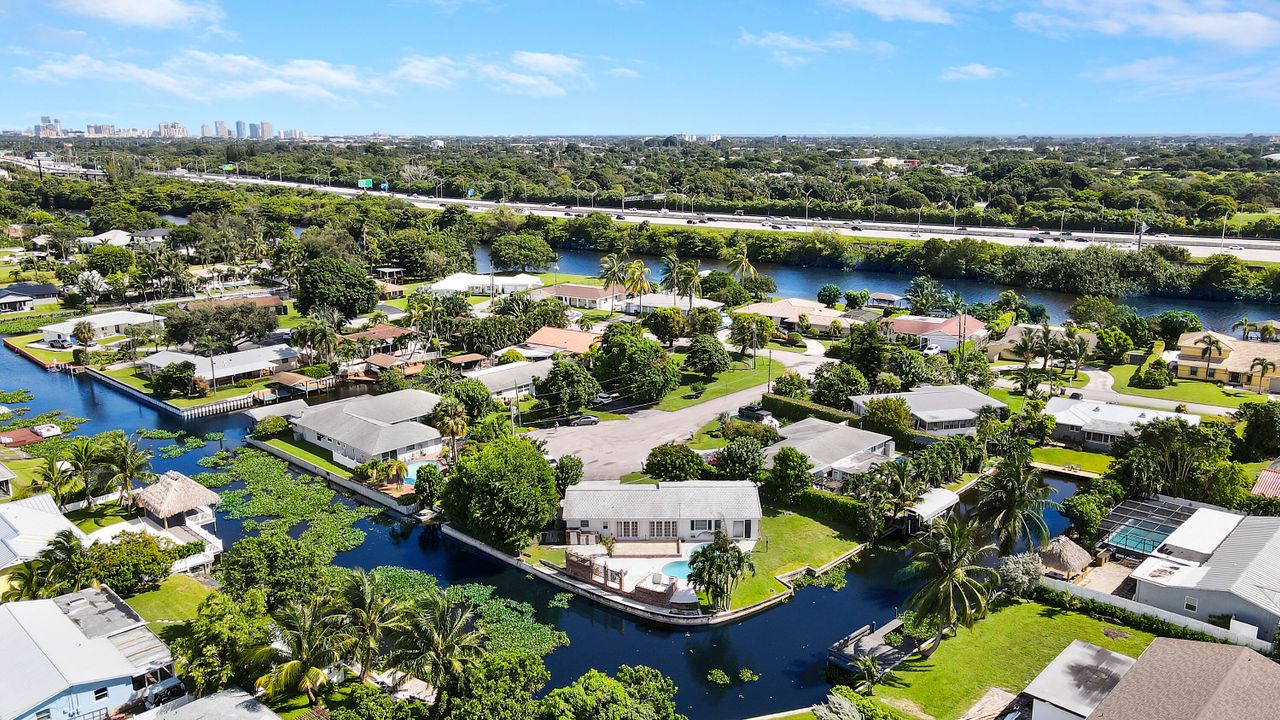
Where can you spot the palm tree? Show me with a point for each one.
(1027, 379)
(450, 418)
(369, 615)
(740, 265)
(671, 273)
(325, 315)
(613, 272)
(689, 280)
(63, 566)
(1075, 350)
(126, 463)
(26, 582)
(956, 587)
(636, 279)
(716, 568)
(1263, 366)
(1014, 499)
(900, 484)
(1212, 346)
(395, 470)
(1046, 345)
(306, 641)
(83, 332)
(53, 478)
(1266, 333)
(1244, 326)
(1024, 348)
(437, 641)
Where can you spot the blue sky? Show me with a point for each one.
(649, 66)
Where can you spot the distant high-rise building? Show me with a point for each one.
(219, 128)
(255, 131)
(48, 127)
(99, 130)
(204, 130)
(241, 130)
(267, 132)
(172, 130)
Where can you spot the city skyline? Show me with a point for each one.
(487, 67)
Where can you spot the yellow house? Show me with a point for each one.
(1230, 360)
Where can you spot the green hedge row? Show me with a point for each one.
(793, 409)
(1103, 611)
(833, 508)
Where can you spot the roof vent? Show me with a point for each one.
(1097, 409)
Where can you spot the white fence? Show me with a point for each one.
(1138, 608)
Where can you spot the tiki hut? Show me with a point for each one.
(172, 496)
(1063, 558)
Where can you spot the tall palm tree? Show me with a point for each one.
(740, 265)
(1046, 346)
(369, 615)
(54, 478)
(1244, 326)
(636, 279)
(1027, 379)
(1014, 500)
(1266, 333)
(1075, 350)
(332, 317)
(956, 587)
(689, 280)
(64, 566)
(437, 641)
(306, 641)
(26, 582)
(613, 272)
(1263, 366)
(716, 568)
(395, 470)
(450, 417)
(126, 463)
(900, 484)
(1212, 346)
(1024, 348)
(671, 272)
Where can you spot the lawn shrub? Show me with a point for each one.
(840, 509)
(1120, 616)
(796, 409)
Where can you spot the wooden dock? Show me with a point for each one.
(869, 642)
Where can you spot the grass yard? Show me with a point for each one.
(310, 452)
(777, 346)
(551, 553)
(1187, 391)
(739, 377)
(99, 516)
(1064, 376)
(37, 311)
(1008, 397)
(790, 541)
(332, 696)
(553, 278)
(708, 437)
(1088, 461)
(1007, 649)
(637, 478)
(175, 601)
(48, 356)
(26, 473)
(135, 379)
(529, 417)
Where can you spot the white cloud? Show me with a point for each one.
(518, 83)
(924, 11)
(1168, 76)
(145, 13)
(436, 71)
(972, 71)
(624, 72)
(85, 67)
(798, 49)
(1225, 23)
(547, 63)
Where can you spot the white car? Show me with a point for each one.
(1161, 235)
(932, 350)
(1236, 247)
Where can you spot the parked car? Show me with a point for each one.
(60, 344)
(583, 420)
(1077, 395)
(605, 397)
(753, 413)
(932, 350)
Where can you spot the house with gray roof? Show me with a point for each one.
(81, 655)
(1096, 425)
(835, 449)
(372, 427)
(1228, 569)
(230, 704)
(1073, 685)
(227, 368)
(27, 526)
(689, 511)
(510, 381)
(940, 409)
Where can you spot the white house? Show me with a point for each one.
(649, 302)
(115, 238)
(510, 381)
(941, 409)
(1096, 425)
(229, 367)
(473, 284)
(585, 297)
(883, 300)
(690, 511)
(104, 324)
(14, 301)
(945, 332)
(372, 427)
(81, 655)
(150, 239)
(27, 526)
(836, 450)
(1075, 683)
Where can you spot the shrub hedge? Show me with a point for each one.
(834, 508)
(796, 409)
(1103, 611)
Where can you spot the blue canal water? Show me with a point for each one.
(803, 282)
(786, 645)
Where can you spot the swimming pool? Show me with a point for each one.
(677, 569)
(413, 470)
(1144, 538)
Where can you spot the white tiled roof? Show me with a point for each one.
(696, 499)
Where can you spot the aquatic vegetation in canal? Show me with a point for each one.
(8, 397)
(561, 600)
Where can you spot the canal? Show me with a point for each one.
(786, 645)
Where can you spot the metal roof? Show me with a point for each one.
(824, 442)
(374, 423)
(1080, 677)
(504, 378)
(1106, 417)
(1247, 563)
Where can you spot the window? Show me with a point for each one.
(45, 714)
(662, 528)
(739, 528)
(584, 523)
(100, 694)
(1193, 371)
(1190, 604)
(628, 529)
(700, 525)
(1212, 372)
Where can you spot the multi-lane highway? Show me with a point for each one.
(1255, 249)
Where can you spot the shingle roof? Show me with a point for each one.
(1247, 563)
(503, 378)
(1188, 680)
(1107, 417)
(824, 442)
(696, 499)
(34, 289)
(568, 339)
(922, 325)
(1080, 677)
(227, 364)
(935, 402)
(374, 423)
(173, 493)
(583, 292)
(381, 331)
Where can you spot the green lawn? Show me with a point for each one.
(99, 516)
(1008, 397)
(1187, 391)
(49, 356)
(1088, 461)
(779, 347)
(1065, 376)
(790, 541)
(551, 553)
(965, 479)
(310, 452)
(740, 377)
(135, 379)
(530, 417)
(334, 696)
(553, 278)
(637, 478)
(176, 601)
(708, 437)
(26, 472)
(1007, 650)
(37, 311)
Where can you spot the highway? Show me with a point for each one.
(1248, 249)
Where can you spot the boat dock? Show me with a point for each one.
(867, 641)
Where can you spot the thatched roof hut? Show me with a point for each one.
(174, 494)
(1064, 557)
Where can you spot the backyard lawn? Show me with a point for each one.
(1187, 391)
(637, 478)
(739, 377)
(708, 437)
(26, 472)
(551, 553)
(133, 378)
(1007, 649)
(1065, 376)
(310, 452)
(99, 516)
(1008, 397)
(48, 356)
(175, 601)
(333, 696)
(1088, 461)
(553, 278)
(790, 541)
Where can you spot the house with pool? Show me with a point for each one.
(371, 427)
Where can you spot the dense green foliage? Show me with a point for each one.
(502, 494)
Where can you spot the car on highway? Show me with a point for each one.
(855, 228)
(738, 213)
(619, 216)
(1236, 247)
(1080, 238)
(691, 221)
(1036, 239)
(753, 413)
(568, 214)
(1161, 235)
(583, 421)
(932, 350)
(1065, 233)
(915, 234)
(962, 229)
(1059, 239)
(775, 226)
(1033, 227)
(791, 227)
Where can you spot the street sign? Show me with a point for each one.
(651, 196)
(228, 167)
(384, 186)
(364, 183)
